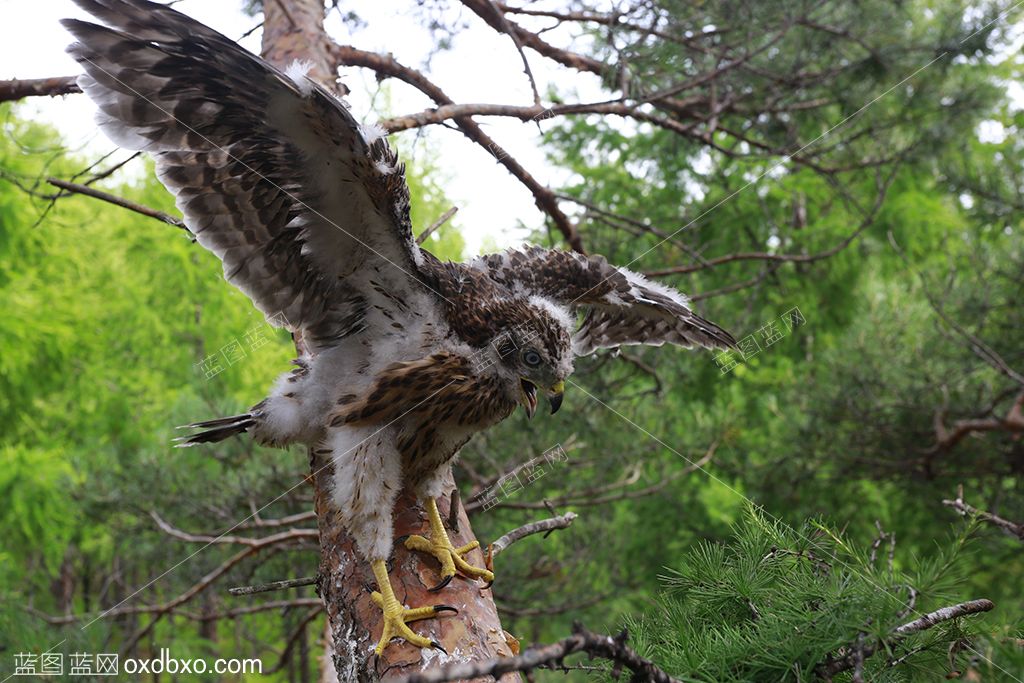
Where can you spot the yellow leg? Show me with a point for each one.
(450, 557)
(396, 617)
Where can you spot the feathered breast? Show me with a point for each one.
(437, 390)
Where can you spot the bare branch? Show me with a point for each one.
(445, 217)
(273, 586)
(296, 634)
(258, 522)
(592, 497)
(253, 547)
(946, 439)
(388, 66)
(281, 537)
(976, 344)
(582, 640)
(118, 201)
(866, 221)
(491, 14)
(34, 87)
(271, 605)
(559, 522)
(848, 658)
(737, 286)
(444, 113)
(161, 610)
(944, 614)
(1012, 528)
(522, 54)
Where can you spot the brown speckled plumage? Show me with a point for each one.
(439, 390)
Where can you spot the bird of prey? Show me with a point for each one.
(404, 357)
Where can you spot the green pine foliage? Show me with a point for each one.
(777, 603)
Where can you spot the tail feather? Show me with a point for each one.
(215, 430)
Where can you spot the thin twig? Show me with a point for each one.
(223, 539)
(975, 343)
(118, 201)
(560, 522)
(387, 66)
(445, 217)
(522, 54)
(944, 614)
(877, 542)
(1012, 528)
(297, 633)
(273, 586)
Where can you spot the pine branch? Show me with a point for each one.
(546, 656)
(1012, 528)
(848, 659)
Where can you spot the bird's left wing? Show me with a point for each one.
(271, 171)
(621, 307)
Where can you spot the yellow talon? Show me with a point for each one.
(396, 617)
(450, 557)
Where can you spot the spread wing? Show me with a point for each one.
(271, 171)
(622, 307)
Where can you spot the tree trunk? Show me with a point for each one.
(293, 29)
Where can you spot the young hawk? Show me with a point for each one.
(405, 357)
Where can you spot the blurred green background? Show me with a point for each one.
(909, 277)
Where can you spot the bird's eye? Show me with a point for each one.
(531, 358)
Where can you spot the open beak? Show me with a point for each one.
(555, 396)
(529, 398)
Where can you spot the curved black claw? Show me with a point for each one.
(488, 584)
(445, 608)
(401, 539)
(444, 582)
(437, 646)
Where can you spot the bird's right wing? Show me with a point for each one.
(305, 207)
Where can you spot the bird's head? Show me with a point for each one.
(533, 355)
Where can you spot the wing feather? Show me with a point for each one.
(271, 172)
(622, 307)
